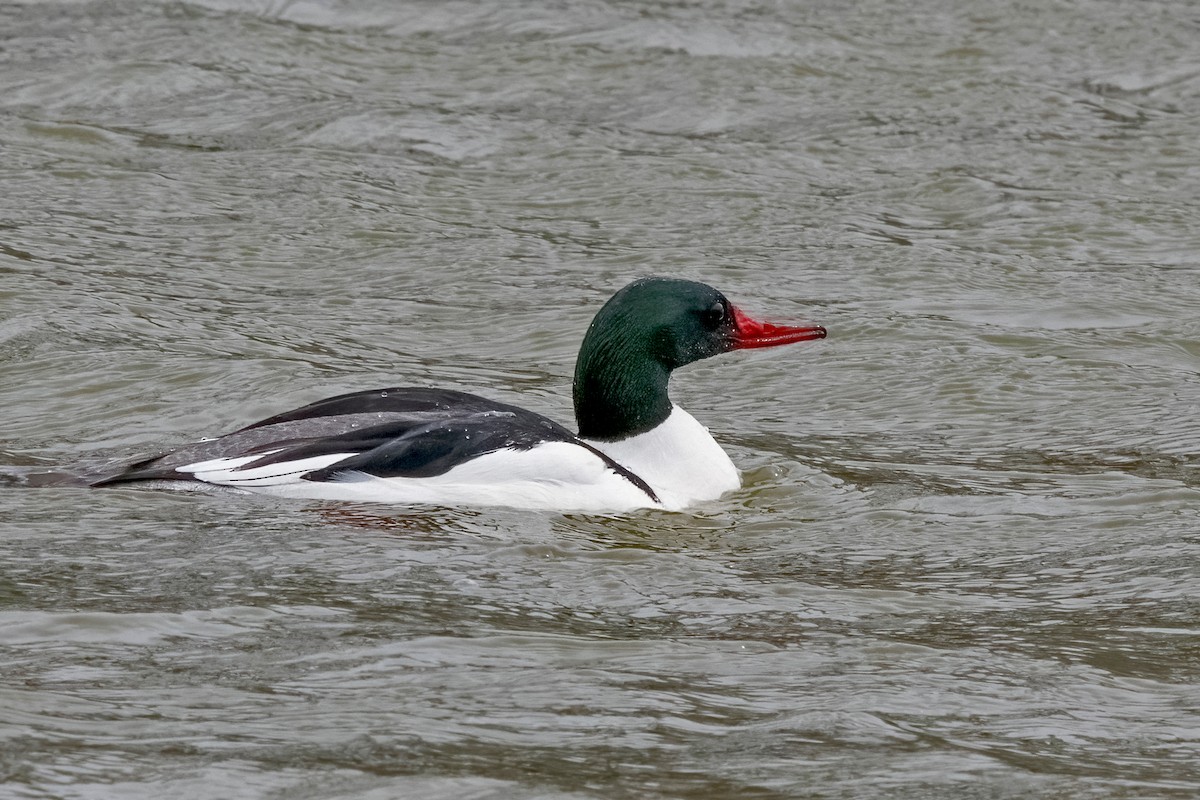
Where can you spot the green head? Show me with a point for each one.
(646, 330)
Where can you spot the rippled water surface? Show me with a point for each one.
(966, 559)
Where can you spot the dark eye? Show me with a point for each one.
(712, 316)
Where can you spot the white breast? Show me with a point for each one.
(679, 459)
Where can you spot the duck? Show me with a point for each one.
(633, 447)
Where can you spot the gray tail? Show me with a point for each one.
(40, 478)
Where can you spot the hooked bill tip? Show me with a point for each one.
(750, 333)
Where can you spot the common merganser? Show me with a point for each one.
(635, 448)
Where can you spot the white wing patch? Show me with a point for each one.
(224, 463)
(227, 472)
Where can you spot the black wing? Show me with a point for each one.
(396, 400)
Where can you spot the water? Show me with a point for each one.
(964, 564)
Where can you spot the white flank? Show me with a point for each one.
(555, 475)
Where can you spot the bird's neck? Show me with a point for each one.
(619, 390)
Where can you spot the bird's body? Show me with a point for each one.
(634, 449)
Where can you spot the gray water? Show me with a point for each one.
(965, 560)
